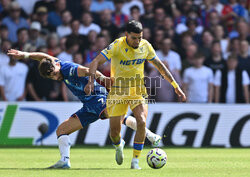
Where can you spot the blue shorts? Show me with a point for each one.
(91, 110)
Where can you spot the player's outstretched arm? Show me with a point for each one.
(83, 71)
(100, 59)
(32, 55)
(168, 76)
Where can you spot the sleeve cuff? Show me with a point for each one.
(151, 58)
(105, 56)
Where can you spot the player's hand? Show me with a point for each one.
(89, 88)
(16, 54)
(181, 94)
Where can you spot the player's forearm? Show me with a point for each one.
(164, 72)
(39, 56)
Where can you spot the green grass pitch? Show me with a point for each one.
(100, 162)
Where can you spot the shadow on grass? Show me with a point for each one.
(71, 169)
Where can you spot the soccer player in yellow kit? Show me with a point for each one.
(127, 56)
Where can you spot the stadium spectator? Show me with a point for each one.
(118, 18)
(185, 40)
(106, 23)
(198, 81)
(242, 31)
(81, 39)
(42, 18)
(4, 33)
(64, 29)
(231, 13)
(219, 35)
(244, 56)
(216, 60)
(100, 5)
(88, 25)
(12, 81)
(14, 21)
(54, 17)
(130, 3)
(214, 19)
(190, 52)
(53, 45)
(5, 46)
(205, 11)
(5, 9)
(22, 39)
(49, 4)
(106, 34)
(159, 17)
(169, 57)
(233, 47)
(102, 43)
(35, 38)
(168, 26)
(162, 85)
(135, 13)
(192, 24)
(159, 36)
(147, 19)
(71, 47)
(231, 84)
(207, 40)
(147, 34)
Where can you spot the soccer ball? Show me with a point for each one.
(156, 158)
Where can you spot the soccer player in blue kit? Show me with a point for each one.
(76, 77)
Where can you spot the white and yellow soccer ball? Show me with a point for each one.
(156, 158)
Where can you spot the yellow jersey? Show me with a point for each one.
(127, 63)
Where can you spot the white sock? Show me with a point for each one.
(64, 147)
(130, 121)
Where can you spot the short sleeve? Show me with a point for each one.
(69, 69)
(217, 78)
(151, 53)
(109, 52)
(245, 78)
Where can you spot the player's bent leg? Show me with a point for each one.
(67, 127)
(130, 122)
(115, 135)
(140, 113)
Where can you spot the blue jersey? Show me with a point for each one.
(77, 84)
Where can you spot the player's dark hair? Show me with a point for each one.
(134, 26)
(46, 67)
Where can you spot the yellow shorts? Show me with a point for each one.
(119, 99)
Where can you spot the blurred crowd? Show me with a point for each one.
(204, 43)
